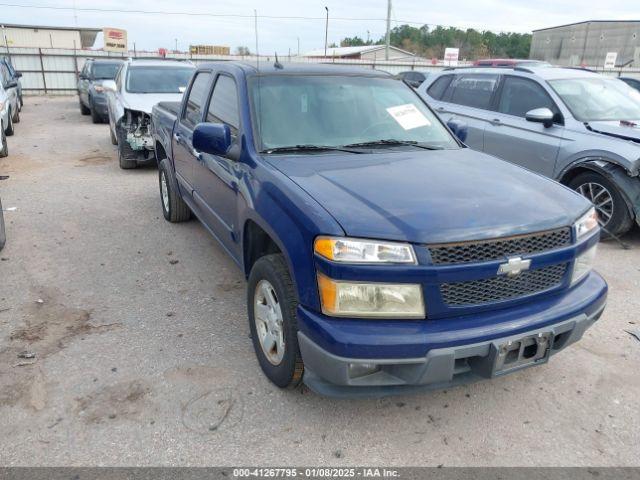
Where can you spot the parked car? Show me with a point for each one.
(382, 255)
(14, 76)
(91, 93)
(632, 82)
(138, 86)
(3, 234)
(5, 121)
(571, 125)
(10, 86)
(413, 77)
(510, 62)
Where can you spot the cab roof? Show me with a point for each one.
(545, 73)
(291, 68)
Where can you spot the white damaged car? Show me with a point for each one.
(138, 86)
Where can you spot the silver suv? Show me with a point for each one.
(575, 126)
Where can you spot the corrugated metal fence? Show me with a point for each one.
(54, 71)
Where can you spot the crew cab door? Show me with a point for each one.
(185, 158)
(216, 177)
(511, 137)
(467, 98)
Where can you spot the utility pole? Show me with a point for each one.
(326, 32)
(387, 39)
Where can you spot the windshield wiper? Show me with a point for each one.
(392, 142)
(308, 148)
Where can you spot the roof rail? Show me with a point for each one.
(584, 69)
(503, 67)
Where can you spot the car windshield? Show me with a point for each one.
(598, 98)
(158, 79)
(340, 111)
(105, 71)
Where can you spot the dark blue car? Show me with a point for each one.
(382, 254)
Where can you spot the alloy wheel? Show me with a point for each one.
(601, 199)
(269, 319)
(164, 192)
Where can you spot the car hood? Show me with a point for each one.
(432, 196)
(144, 102)
(627, 130)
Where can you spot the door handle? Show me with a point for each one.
(496, 122)
(440, 109)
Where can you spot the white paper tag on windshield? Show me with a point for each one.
(408, 116)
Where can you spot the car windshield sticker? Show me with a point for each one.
(408, 116)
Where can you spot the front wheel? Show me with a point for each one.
(127, 157)
(272, 303)
(613, 213)
(9, 130)
(16, 115)
(84, 110)
(173, 207)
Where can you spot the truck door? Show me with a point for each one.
(216, 177)
(184, 156)
(511, 137)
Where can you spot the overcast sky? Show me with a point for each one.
(151, 31)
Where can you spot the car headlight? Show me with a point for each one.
(585, 224)
(354, 250)
(361, 299)
(583, 264)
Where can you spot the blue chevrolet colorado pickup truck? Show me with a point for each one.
(382, 255)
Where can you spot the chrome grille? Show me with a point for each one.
(497, 289)
(496, 249)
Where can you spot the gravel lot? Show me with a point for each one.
(143, 355)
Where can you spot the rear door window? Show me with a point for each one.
(473, 90)
(197, 98)
(437, 88)
(520, 95)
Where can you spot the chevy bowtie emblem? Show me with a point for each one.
(515, 266)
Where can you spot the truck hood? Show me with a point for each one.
(144, 102)
(432, 196)
(625, 130)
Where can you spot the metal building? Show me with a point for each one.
(36, 36)
(587, 43)
(366, 52)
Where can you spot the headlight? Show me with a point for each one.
(583, 264)
(353, 250)
(358, 299)
(586, 223)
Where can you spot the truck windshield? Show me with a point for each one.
(158, 79)
(598, 98)
(341, 111)
(105, 71)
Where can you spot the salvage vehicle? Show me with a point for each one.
(382, 254)
(10, 87)
(5, 121)
(572, 125)
(91, 93)
(138, 86)
(15, 76)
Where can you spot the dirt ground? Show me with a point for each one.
(143, 356)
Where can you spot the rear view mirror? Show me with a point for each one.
(212, 138)
(109, 85)
(459, 129)
(540, 115)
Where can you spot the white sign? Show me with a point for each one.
(115, 39)
(610, 61)
(408, 116)
(451, 56)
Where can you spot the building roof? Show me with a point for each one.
(587, 21)
(350, 51)
(87, 35)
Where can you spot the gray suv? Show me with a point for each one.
(575, 126)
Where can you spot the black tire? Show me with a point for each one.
(21, 102)
(3, 236)
(114, 140)
(4, 145)
(621, 220)
(9, 130)
(16, 115)
(175, 209)
(84, 110)
(273, 268)
(95, 116)
(127, 157)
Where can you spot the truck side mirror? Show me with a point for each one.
(459, 129)
(212, 138)
(540, 115)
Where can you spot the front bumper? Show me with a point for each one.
(426, 355)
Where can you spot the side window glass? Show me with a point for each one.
(197, 98)
(520, 95)
(437, 88)
(474, 90)
(223, 107)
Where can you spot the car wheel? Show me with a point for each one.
(127, 157)
(9, 130)
(272, 303)
(21, 102)
(114, 140)
(95, 116)
(613, 213)
(4, 148)
(84, 110)
(173, 207)
(3, 235)
(16, 116)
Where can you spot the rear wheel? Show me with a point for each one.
(173, 207)
(127, 157)
(613, 213)
(272, 303)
